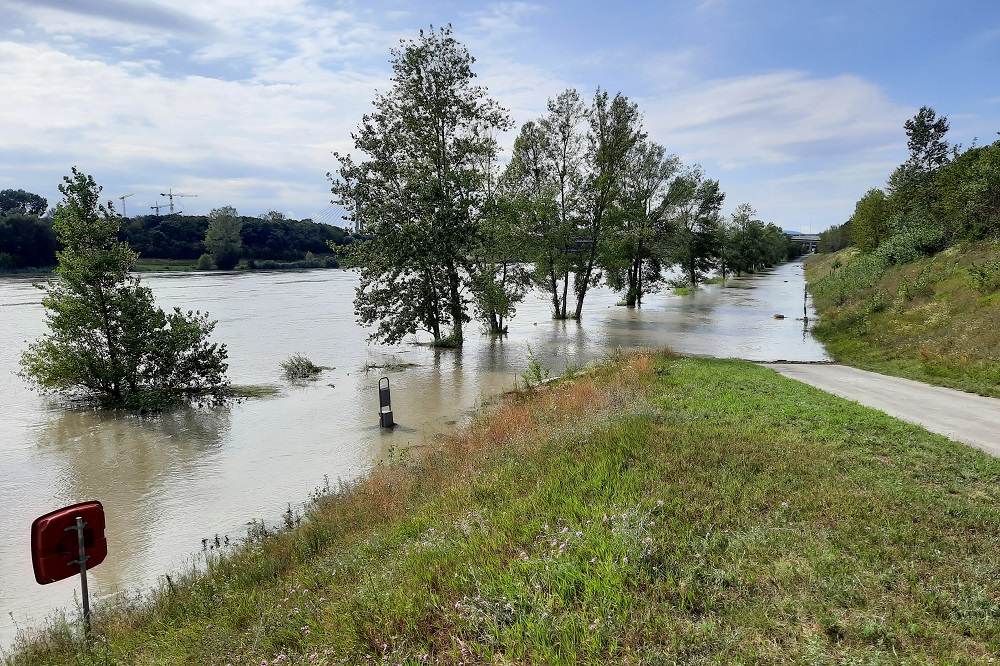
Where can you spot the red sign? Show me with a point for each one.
(55, 550)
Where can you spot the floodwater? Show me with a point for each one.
(167, 482)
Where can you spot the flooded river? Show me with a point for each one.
(170, 481)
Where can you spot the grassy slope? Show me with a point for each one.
(661, 510)
(922, 320)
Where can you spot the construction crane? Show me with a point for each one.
(170, 194)
(123, 198)
(157, 207)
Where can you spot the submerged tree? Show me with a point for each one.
(106, 338)
(694, 207)
(615, 128)
(635, 257)
(420, 191)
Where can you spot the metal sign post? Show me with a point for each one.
(57, 554)
(384, 404)
(82, 561)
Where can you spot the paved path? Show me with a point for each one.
(957, 415)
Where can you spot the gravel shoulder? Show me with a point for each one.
(963, 417)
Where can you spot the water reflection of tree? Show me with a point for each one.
(133, 465)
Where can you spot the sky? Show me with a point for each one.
(795, 106)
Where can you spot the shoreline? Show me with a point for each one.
(659, 506)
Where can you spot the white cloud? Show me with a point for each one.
(774, 118)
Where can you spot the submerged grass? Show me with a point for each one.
(936, 320)
(658, 510)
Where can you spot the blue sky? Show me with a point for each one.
(796, 107)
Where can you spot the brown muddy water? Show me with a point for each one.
(167, 482)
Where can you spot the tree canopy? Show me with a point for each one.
(107, 341)
(585, 199)
(420, 189)
(939, 196)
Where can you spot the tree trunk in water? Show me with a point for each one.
(565, 295)
(457, 311)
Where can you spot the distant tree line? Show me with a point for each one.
(941, 195)
(26, 236)
(586, 199)
(27, 239)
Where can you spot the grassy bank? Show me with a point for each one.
(659, 510)
(935, 320)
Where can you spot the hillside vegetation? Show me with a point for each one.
(912, 287)
(935, 319)
(657, 510)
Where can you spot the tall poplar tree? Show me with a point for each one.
(419, 188)
(615, 128)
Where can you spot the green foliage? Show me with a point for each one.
(634, 256)
(106, 339)
(542, 182)
(615, 130)
(935, 319)
(501, 278)
(206, 263)
(870, 223)
(835, 239)
(420, 190)
(985, 277)
(537, 371)
(969, 194)
(694, 205)
(938, 197)
(20, 201)
(223, 239)
(297, 366)
(747, 245)
(925, 138)
(27, 241)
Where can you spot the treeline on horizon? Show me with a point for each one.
(27, 240)
(940, 196)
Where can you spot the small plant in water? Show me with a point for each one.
(297, 366)
(537, 371)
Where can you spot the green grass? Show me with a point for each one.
(936, 320)
(659, 510)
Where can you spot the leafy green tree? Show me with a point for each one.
(544, 179)
(615, 128)
(420, 190)
(223, 239)
(501, 278)
(694, 205)
(741, 242)
(925, 138)
(912, 186)
(27, 240)
(871, 224)
(969, 193)
(106, 338)
(21, 201)
(633, 260)
(835, 238)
